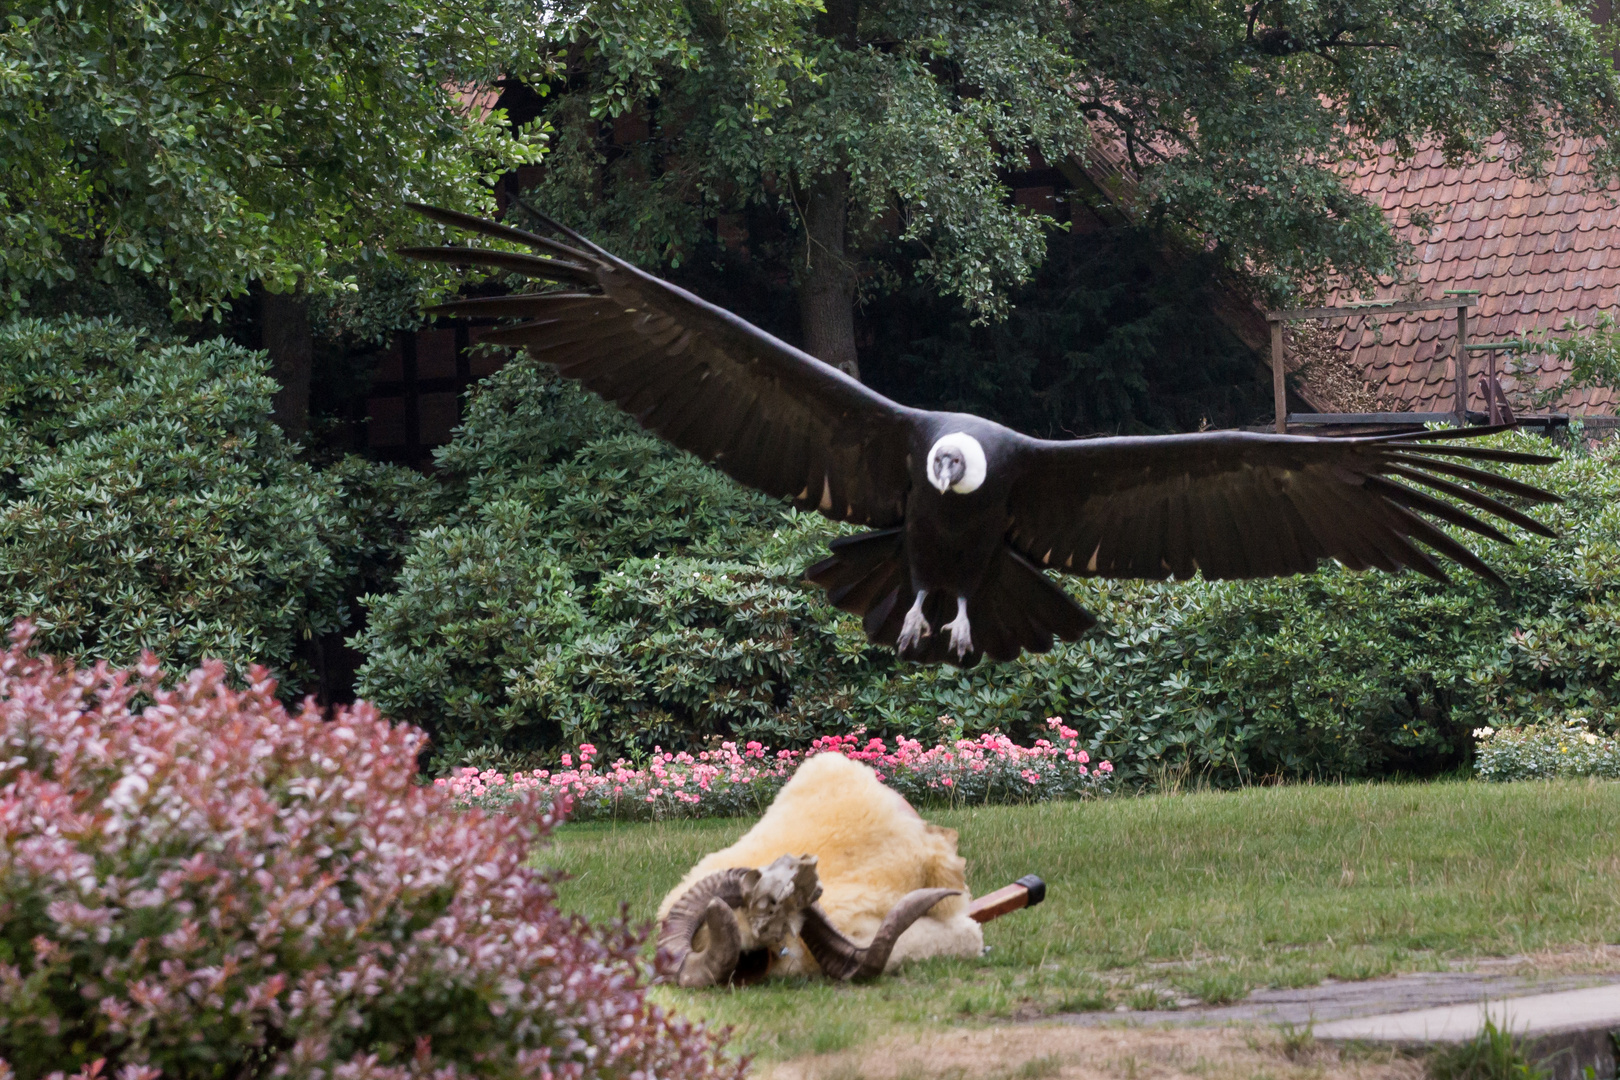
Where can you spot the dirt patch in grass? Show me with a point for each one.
(1058, 1052)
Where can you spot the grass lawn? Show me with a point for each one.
(1179, 896)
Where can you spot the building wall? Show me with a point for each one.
(419, 389)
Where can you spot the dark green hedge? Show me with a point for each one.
(148, 502)
(594, 585)
(567, 578)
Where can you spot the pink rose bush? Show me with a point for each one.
(195, 882)
(730, 780)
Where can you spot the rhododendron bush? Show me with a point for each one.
(196, 883)
(731, 780)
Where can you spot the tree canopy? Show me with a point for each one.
(878, 150)
(200, 146)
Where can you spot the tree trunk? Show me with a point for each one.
(285, 335)
(826, 278)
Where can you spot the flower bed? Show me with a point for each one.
(730, 780)
(195, 882)
(1544, 751)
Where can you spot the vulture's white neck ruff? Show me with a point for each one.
(973, 461)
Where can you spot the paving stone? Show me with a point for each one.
(1334, 1000)
(1567, 1023)
(1536, 1014)
(1566, 1032)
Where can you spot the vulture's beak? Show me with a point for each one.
(942, 480)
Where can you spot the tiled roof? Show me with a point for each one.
(1538, 252)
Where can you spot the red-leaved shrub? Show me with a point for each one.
(209, 886)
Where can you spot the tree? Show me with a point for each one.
(880, 150)
(202, 147)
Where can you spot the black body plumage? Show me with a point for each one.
(966, 514)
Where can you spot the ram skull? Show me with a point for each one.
(741, 909)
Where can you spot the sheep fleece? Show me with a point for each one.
(872, 848)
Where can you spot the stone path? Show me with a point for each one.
(1567, 1023)
(1536, 1014)
(1566, 1032)
(1332, 1000)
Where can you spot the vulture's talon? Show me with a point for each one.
(915, 628)
(961, 632)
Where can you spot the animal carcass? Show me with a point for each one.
(837, 853)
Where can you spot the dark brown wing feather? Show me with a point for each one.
(763, 412)
(1240, 505)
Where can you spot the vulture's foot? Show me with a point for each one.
(915, 628)
(961, 632)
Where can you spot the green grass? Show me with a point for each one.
(1493, 1055)
(1196, 895)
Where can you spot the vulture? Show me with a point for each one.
(963, 515)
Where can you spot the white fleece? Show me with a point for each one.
(872, 848)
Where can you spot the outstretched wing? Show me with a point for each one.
(1240, 505)
(768, 415)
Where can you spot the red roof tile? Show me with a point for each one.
(1539, 253)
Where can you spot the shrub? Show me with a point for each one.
(1544, 751)
(682, 650)
(147, 501)
(593, 584)
(728, 781)
(211, 886)
(472, 604)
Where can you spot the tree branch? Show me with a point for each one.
(1127, 127)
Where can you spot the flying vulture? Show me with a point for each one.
(964, 514)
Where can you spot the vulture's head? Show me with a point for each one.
(956, 463)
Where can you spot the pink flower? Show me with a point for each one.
(697, 781)
(288, 788)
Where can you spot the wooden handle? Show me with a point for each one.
(1026, 892)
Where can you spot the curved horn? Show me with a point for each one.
(841, 958)
(708, 905)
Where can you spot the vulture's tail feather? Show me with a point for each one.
(1019, 607)
(1016, 608)
(863, 571)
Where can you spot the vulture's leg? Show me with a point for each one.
(961, 633)
(915, 628)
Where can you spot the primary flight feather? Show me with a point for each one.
(964, 513)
